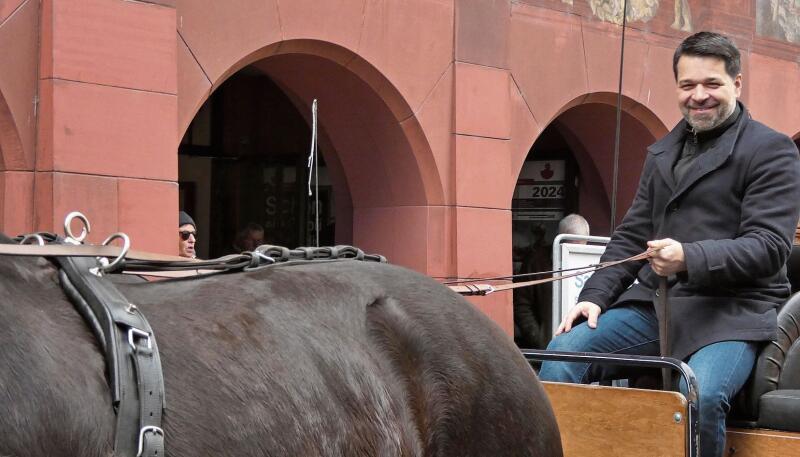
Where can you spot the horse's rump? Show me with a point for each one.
(331, 358)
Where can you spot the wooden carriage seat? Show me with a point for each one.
(771, 398)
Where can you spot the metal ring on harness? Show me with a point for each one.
(105, 267)
(71, 238)
(32, 236)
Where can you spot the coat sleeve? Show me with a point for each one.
(629, 239)
(769, 217)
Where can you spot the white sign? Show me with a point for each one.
(542, 171)
(575, 256)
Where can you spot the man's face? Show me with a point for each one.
(706, 93)
(255, 238)
(186, 240)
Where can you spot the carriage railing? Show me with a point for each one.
(641, 361)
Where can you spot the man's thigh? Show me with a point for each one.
(722, 368)
(629, 329)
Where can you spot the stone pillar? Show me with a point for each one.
(108, 118)
(19, 40)
(482, 130)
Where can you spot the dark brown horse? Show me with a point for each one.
(340, 358)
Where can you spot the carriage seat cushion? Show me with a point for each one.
(780, 410)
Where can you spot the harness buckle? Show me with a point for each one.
(134, 333)
(152, 429)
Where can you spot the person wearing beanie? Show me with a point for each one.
(187, 235)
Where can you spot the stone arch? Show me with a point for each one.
(587, 124)
(383, 166)
(11, 152)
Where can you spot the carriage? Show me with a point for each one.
(608, 420)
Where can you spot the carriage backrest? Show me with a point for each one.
(793, 268)
(778, 363)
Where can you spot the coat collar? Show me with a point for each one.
(667, 150)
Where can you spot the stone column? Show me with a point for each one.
(483, 181)
(107, 119)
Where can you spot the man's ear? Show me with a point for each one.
(737, 84)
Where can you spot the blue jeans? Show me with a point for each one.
(721, 368)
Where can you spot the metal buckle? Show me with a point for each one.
(150, 428)
(141, 334)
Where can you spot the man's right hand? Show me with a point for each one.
(586, 309)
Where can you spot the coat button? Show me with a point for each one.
(673, 207)
(657, 293)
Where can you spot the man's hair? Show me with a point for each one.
(710, 44)
(573, 224)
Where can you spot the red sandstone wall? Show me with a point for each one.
(448, 97)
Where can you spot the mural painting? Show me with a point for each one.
(778, 19)
(639, 10)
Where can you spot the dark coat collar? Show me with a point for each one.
(667, 150)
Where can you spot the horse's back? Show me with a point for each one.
(334, 358)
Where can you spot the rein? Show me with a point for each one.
(486, 289)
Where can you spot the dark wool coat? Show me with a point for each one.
(735, 213)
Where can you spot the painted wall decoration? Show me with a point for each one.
(778, 19)
(639, 10)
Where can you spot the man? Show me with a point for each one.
(533, 305)
(249, 238)
(718, 199)
(187, 235)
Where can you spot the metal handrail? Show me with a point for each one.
(692, 393)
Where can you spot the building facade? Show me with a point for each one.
(452, 131)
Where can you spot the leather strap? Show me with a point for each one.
(486, 289)
(662, 311)
(85, 250)
(134, 366)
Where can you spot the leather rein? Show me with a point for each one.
(486, 289)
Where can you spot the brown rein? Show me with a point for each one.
(486, 289)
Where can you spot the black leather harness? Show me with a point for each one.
(131, 354)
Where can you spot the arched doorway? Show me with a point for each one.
(380, 169)
(243, 163)
(569, 169)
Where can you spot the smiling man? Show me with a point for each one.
(719, 197)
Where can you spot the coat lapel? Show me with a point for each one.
(712, 159)
(666, 151)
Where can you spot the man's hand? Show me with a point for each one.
(586, 309)
(668, 259)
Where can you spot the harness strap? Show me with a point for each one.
(134, 366)
(663, 328)
(85, 250)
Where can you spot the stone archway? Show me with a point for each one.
(383, 165)
(16, 183)
(586, 125)
(569, 169)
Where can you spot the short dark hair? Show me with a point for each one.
(710, 44)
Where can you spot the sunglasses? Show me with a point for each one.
(186, 234)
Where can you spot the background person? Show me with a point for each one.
(533, 305)
(187, 235)
(249, 238)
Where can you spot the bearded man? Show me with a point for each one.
(719, 199)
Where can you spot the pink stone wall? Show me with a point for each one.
(431, 105)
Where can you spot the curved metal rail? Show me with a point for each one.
(644, 361)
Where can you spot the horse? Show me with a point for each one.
(336, 358)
